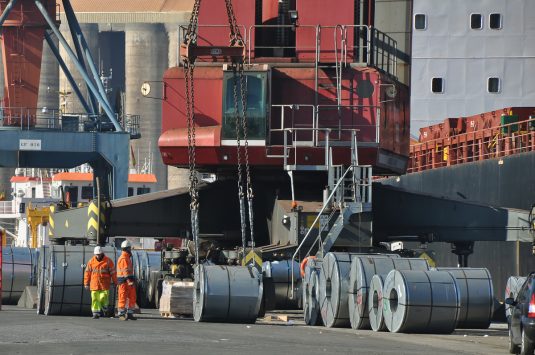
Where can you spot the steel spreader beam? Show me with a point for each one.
(67, 72)
(78, 66)
(7, 10)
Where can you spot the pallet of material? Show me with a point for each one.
(176, 298)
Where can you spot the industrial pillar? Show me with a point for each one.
(146, 59)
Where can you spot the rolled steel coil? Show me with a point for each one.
(375, 304)
(514, 284)
(144, 262)
(420, 301)
(227, 294)
(18, 271)
(41, 277)
(280, 273)
(311, 309)
(333, 288)
(363, 268)
(477, 297)
(64, 292)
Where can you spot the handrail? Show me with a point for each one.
(481, 144)
(325, 204)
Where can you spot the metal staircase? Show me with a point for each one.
(350, 194)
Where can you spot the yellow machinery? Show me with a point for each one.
(36, 216)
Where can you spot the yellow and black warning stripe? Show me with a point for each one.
(93, 220)
(254, 258)
(51, 223)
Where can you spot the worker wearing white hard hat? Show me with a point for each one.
(99, 273)
(127, 287)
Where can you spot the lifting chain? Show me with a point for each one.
(250, 196)
(189, 68)
(235, 34)
(241, 196)
(190, 37)
(243, 126)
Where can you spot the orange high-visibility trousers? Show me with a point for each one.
(127, 297)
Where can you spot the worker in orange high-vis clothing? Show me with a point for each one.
(127, 286)
(99, 273)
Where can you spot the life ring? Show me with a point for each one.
(304, 264)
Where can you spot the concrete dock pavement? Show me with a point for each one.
(22, 331)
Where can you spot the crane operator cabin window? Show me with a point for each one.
(256, 105)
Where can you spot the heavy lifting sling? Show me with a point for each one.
(237, 54)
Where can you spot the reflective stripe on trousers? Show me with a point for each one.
(127, 298)
(99, 301)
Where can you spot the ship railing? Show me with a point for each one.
(280, 34)
(8, 207)
(350, 43)
(488, 143)
(310, 120)
(42, 118)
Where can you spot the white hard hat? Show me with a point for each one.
(98, 250)
(125, 244)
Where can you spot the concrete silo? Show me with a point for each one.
(49, 83)
(146, 58)
(176, 177)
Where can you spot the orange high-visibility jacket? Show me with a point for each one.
(98, 274)
(125, 269)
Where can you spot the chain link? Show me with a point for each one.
(191, 34)
(235, 34)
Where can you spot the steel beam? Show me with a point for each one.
(83, 52)
(406, 215)
(66, 71)
(78, 66)
(7, 11)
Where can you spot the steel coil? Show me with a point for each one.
(420, 301)
(514, 283)
(41, 277)
(311, 309)
(64, 292)
(144, 262)
(375, 304)
(363, 268)
(281, 280)
(227, 294)
(19, 267)
(333, 288)
(477, 297)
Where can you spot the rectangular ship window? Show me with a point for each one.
(493, 85)
(476, 21)
(437, 85)
(495, 21)
(256, 102)
(420, 22)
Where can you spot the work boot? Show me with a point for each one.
(131, 316)
(96, 316)
(123, 317)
